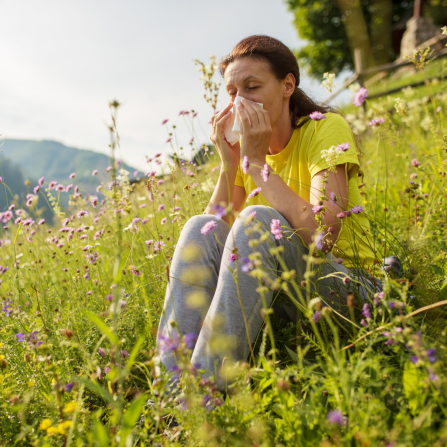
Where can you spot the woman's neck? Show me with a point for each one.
(281, 135)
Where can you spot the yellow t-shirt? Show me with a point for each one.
(300, 160)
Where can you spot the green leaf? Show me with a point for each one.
(437, 270)
(131, 417)
(413, 382)
(102, 327)
(443, 291)
(292, 355)
(133, 354)
(101, 434)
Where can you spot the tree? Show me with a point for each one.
(324, 24)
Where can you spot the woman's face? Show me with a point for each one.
(252, 79)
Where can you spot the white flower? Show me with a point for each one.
(328, 82)
(330, 156)
(399, 105)
(426, 123)
(408, 92)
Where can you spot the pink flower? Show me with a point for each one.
(341, 215)
(317, 116)
(163, 221)
(36, 189)
(415, 163)
(233, 257)
(265, 172)
(41, 222)
(250, 218)
(209, 227)
(168, 140)
(72, 175)
(275, 228)
(60, 188)
(161, 207)
(143, 205)
(245, 164)
(360, 96)
(41, 180)
(29, 202)
(254, 193)
(316, 317)
(342, 147)
(109, 168)
(160, 182)
(52, 185)
(317, 208)
(376, 122)
(164, 121)
(94, 172)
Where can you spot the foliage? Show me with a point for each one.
(82, 298)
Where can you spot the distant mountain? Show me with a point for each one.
(55, 161)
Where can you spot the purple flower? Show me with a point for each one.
(20, 337)
(81, 213)
(275, 228)
(366, 312)
(360, 96)
(7, 305)
(164, 121)
(167, 344)
(161, 207)
(102, 352)
(168, 140)
(316, 316)
(124, 353)
(246, 264)
(106, 370)
(333, 197)
(190, 340)
(41, 180)
(415, 163)
(338, 260)
(233, 257)
(68, 387)
(431, 353)
(209, 227)
(317, 116)
(335, 417)
(376, 122)
(342, 147)
(346, 280)
(357, 209)
(414, 359)
(265, 172)
(319, 240)
(317, 208)
(245, 164)
(391, 304)
(341, 215)
(254, 193)
(363, 322)
(94, 201)
(220, 211)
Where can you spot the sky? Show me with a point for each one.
(63, 62)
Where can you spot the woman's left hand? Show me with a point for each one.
(256, 132)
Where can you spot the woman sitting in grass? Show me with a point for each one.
(297, 165)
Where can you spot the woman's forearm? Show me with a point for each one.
(223, 192)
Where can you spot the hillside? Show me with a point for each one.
(55, 161)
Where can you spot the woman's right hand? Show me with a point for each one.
(229, 154)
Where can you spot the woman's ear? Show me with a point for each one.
(289, 85)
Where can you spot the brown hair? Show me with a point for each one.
(281, 62)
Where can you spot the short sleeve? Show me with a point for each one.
(331, 131)
(239, 180)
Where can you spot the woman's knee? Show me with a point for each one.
(194, 225)
(261, 213)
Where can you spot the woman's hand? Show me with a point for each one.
(229, 154)
(256, 132)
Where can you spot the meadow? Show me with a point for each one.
(81, 300)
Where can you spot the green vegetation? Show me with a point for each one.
(81, 306)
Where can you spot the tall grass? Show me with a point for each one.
(82, 299)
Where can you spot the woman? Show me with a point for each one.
(306, 196)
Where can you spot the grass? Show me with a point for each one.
(81, 309)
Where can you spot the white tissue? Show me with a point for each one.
(232, 126)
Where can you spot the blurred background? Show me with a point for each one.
(63, 62)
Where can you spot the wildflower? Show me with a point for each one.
(275, 228)
(360, 96)
(45, 424)
(160, 182)
(431, 353)
(29, 202)
(319, 240)
(7, 307)
(109, 168)
(20, 337)
(60, 188)
(317, 116)
(40, 182)
(330, 157)
(163, 221)
(36, 189)
(376, 122)
(316, 316)
(415, 163)
(335, 417)
(107, 370)
(81, 213)
(149, 243)
(366, 312)
(68, 387)
(342, 147)
(102, 352)
(346, 280)
(220, 211)
(209, 227)
(250, 218)
(161, 207)
(168, 344)
(357, 209)
(246, 264)
(233, 257)
(328, 82)
(245, 164)
(399, 105)
(70, 407)
(158, 245)
(95, 172)
(134, 270)
(52, 184)
(265, 172)
(317, 208)
(124, 353)
(68, 187)
(168, 140)
(254, 193)
(338, 260)
(144, 221)
(94, 201)
(414, 359)
(164, 121)
(190, 340)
